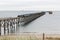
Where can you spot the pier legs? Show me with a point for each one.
(8, 27)
(2, 27)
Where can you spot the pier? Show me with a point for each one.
(9, 25)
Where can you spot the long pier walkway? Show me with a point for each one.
(9, 25)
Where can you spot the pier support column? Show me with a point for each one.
(15, 26)
(9, 28)
(6, 27)
(2, 28)
(12, 26)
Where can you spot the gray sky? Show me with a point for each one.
(30, 5)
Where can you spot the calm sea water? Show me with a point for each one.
(47, 23)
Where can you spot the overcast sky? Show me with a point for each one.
(48, 23)
(30, 5)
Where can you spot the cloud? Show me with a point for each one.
(29, 4)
